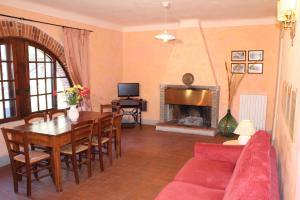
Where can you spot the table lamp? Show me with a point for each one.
(245, 129)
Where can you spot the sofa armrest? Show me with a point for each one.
(229, 153)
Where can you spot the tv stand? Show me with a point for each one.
(132, 107)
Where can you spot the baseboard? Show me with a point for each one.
(4, 160)
(149, 122)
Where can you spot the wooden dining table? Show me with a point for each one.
(56, 133)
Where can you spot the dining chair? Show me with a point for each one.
(109, 108)
(117, 134)
(35, 117)
(103, 138)
(56, 113)
(23, 161)
(81, 135)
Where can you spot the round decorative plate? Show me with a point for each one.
(188, 79)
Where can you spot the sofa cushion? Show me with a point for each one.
(185, 191)
(208, 173)
(251, 176)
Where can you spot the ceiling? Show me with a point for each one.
(142, 12)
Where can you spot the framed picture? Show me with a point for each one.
(238, 68)
(238, 55)
(256, 55)
(255, 68)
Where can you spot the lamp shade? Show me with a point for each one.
(284, 7)
(165, 36)
(245, 128)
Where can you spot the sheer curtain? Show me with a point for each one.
(76, 46)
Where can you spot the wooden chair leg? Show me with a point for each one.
(15, 179)
(110, 151)
(75, 169)
(36, 176)
(80, 159)
(28, 178)
(89, 162)
(66, 159)
(101, 157)
(51, 172)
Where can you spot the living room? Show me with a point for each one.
(122, 48)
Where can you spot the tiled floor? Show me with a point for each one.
(150, 160)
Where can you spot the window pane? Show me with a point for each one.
(61, 101)
(3, 52)
(34, 104)
(48, 58)
(49, 85)
(1, 91)
(62, 84)
(60, 71)
(9, 91)
(1, 110)
(33, 88)
(10, 108)
(7, 71)
(32, 70)
(48, 69)
(42, 102)
(40, 55)
(4, 70)
(41, 86)
(31, 53)
(49, 101)
(41, 70)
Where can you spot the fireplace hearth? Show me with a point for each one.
(189, 109)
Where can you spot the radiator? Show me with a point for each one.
(254, 108)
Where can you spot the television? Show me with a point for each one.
(128, 90)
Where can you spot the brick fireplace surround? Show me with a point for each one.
(165, 111)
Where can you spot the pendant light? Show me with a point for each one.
(165, 36)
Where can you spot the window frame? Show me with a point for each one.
(22, 83)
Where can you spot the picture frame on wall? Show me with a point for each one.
(255, 68)
(255, 55)
(238, 68)
(238, 55)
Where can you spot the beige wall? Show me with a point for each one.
(288, 149)
(152, 62)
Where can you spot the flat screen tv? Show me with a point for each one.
(128, 90)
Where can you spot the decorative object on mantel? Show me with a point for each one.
(228, 124)
(188, 79)
(165, 36)
(74, 96)
(245, 129)
(286, 15)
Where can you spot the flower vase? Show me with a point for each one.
(73, 113)
(227, 124)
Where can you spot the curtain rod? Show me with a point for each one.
(41, 22)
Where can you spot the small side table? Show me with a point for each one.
(231, 142)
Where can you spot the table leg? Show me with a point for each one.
(57, 168)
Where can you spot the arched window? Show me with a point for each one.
(32, 79)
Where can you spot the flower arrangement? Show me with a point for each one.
(74, 95)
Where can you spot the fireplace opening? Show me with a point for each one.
(190, 115)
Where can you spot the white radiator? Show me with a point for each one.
(254, 108)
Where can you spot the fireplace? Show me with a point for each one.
(191, 109)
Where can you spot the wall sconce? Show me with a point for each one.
(286, 14)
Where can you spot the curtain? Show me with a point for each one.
(76, 46)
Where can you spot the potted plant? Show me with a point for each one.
(74, 95)
(228, 123)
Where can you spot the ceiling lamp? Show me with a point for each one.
(165, 36)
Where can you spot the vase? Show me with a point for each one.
(227, 125)
(73, 113)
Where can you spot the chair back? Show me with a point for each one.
(105, 123)
(109, 108)
(117, 119)
(16, 143)
(57, 112)
(81, 134)
(35, 117)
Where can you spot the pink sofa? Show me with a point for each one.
(227, 172)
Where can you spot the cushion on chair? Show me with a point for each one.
(95, 140)
(208, 173)
(34, 156)
(67, 149)
(251, 177)
(185, 191)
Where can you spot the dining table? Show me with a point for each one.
(54, 134)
